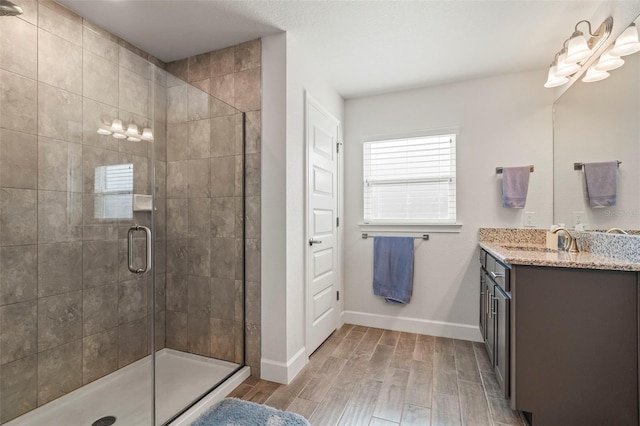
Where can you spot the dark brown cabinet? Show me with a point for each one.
(495, 315)
(564, 342)
(575, 346)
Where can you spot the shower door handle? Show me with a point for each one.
(147, 233)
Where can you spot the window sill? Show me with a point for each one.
(447, 228)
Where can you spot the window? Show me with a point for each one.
(410, 180)
(114, 188)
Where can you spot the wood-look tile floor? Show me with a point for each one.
(369, 376)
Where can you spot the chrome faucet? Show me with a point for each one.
(616, 230)
(570, 243)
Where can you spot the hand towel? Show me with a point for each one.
(601, 183)
(393, 268)
(515, 184)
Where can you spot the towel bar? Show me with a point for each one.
(424, 237)
(499, 169)
(578, 166)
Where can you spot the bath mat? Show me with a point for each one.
(236, 412)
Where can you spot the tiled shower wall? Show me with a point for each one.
(70, 311)
(205, 195)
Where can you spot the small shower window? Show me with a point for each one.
(114, 189)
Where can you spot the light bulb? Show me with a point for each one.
(147, 134)
(554, 80)
(116, 126)
(608, 62)
(627, 43)
(133, 139)
(565, 68)
(119, 136)
(594, 75)
(132, 130)
(577, 49)
(103, 131)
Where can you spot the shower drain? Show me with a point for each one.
(104, 421)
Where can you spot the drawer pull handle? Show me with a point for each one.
(496, 276)
(493, 305)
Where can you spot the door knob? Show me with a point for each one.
(312, 241)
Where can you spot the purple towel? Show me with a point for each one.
(515, 184)
(601, 183)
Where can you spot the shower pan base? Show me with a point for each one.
(126, 393)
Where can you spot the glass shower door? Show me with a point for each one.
(75, 322)
(205, 287)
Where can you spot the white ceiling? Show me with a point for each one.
(361, 47)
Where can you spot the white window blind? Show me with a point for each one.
(410, 180)
(114, 189)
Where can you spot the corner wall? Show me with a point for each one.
(206, 184)
(502, 121)
(283, 213)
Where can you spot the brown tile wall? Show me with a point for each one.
(204, 206)
(70, 311)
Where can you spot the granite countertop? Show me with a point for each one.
(538, 255)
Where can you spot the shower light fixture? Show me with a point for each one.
(576, 50)
(116, 129)
(132, 130)
(116, 126)
(147, 134)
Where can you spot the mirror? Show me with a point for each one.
(595, 122)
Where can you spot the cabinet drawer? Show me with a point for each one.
(483, 258)
(498, 272)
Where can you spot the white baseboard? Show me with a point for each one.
(281, 372)
(414, 325)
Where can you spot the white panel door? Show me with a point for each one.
(322, 204)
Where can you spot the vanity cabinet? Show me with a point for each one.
(495, 315)
(575, 346)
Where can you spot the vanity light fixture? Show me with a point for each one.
(578, 47)
(609, 61)
(553, 79)
(594, 74)
(576, 50)
(627, 43)
(565, 67)
(116, 129)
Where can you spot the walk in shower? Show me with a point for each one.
(122, 227)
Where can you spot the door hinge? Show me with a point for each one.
(337, 222)
(337, 295)
(338, 147)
